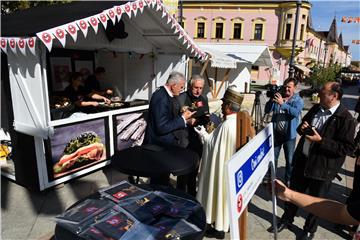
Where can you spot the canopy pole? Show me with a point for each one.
(226, 76)
(210, 85)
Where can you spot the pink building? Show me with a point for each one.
(268, 23)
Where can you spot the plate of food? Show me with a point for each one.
(111, 105)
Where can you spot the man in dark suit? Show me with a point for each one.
(327, 136)
(164, 112)
(165, 120)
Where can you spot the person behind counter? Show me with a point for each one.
(77, 94)
(92, 83)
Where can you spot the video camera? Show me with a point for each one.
(273, 89)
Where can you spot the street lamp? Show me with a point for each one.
(325, 50)
(291, 64)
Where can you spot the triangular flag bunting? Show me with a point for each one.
(168, 18)
(164, 13)
(3, 43)
(12, 44)
(94, 22)
(127, 9)
(46, 38)
(185, 40)
(173, 23)
(181, 34)
(83, 25)
(148, 3)
(111, 14)
(159, 5)
(103, 19)
(21, 42)
(72, 28)
(141, 5)
(31, 44)
(60, 34)
(192, 49)
(134, 8)
(118, 11)
(177, 28)
(153, 3)
(188, 45)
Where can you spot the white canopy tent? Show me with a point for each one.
(240, 58)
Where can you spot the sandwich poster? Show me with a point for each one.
(78, 146)
(129, 130)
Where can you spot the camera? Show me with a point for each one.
(273, 89)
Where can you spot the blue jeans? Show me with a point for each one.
(289, 149)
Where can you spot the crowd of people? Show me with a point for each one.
(326, 138)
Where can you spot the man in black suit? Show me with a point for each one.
(164, 113)
(165, 120)
(327, 136)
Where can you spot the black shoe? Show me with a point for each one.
(213, 233)
(280, 226)
(305, 235)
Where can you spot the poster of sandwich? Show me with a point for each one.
(129, 130)
(78, 146)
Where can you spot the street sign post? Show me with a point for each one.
(244, 173)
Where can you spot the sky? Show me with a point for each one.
(323, 12)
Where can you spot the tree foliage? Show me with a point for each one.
(13, 6)
(322, 75)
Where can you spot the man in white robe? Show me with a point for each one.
(219, 146)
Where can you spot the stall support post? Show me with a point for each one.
(244, 131)
(226, 76)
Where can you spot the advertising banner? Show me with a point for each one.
(78, 146)
(245, 171)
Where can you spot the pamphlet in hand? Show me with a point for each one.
(122, 191)
(148, 208)
(180, 207)
(170, 228)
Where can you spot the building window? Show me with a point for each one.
(289, 15)
(200, 30)
(287, 31)
(237, 30)
(302, 27)
(219, 30)
(258, 31)
(304, 16)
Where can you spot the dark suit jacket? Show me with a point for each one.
(162, 119)
(326, 158)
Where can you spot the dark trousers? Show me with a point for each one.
(300, 183)
(187, 183)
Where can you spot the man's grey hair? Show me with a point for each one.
(175, 77)
(196, 77)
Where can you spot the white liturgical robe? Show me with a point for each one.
(219, 147)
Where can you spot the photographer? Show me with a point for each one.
(286, 106)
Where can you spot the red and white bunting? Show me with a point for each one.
(164, 13)
(60, 34)
(103, 19)
(141, 4)
(111, 14)
(119, 12)
(188, 45)
(168, 18)
(148, 3)
(3, 43)
(185, 40)
(47, 38)
(177, 28)
(31, 44)
(134, 8)
(12, 44)
(153, 3)
(94, 23)
(173, 23)
(127, 9)
(83, 25)
(21, 42)
(159, 5)
(72, 28)
(181, 34)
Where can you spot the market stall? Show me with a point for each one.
(138, 43)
